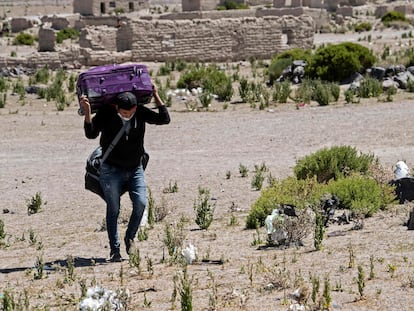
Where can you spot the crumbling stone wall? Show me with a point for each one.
(102, 7)
(198, 5)
(219, 40)
(99, 38)
(383, 9)
(320, 16)
(47, 40)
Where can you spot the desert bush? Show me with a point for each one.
(204, 209)
(205, 99)
(42, 75)
(67, 33)
(332, 163)
(335, 91)
(72, 83)
(393, 16)
(338, 62)
(369, 87)
(350, 96)
(277, 67)
(232, 5)
(304, 92)
(2, 230)
(321, 93)
(18, 87)
(3, 98)
(363, 195)
(210, 79)
(165, 69)
(364, 26)
(24, 38)
(34, 205)
(4, 85)
(281, 92)
(319, 230)
(244, 89)
(410, 86)
(281, 61)
(174, 238)
(291, 230)
(299, 193)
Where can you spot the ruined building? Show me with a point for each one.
(101, 7)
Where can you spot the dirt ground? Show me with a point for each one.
(44, 151)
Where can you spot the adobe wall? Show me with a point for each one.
(226, 39)
(320, 16)
(102, 7)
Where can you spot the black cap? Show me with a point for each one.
(126, 100)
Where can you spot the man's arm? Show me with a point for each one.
(90, 131)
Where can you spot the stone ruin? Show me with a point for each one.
(191, 35)
(113, 38)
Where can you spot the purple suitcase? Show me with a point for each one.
(101, 84)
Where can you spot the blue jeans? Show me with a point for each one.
(113, 180)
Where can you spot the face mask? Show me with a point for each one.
(124, 118)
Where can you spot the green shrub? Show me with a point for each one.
(72, 82)
(244, 89)
(361, 194)
(24, 38)
(321, 93)
(350, 96)
(165, 69)
(410, 86)
(364, 26)
(304, 93)
(204, 209)
(335, 91)
(338, 62)
(4, 85)
(232, 5)
(210, 79)
(67, 33)
(3, 98)
(281, 61)
(276, 68)
(18, 88)
(369, 87)
(2, 230)
(332, 163)
(34, 205)
(281, 92)
(393, 16)
(42, 75)
(300, 193)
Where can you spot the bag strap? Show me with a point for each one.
(114, 141)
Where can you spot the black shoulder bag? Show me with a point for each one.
(95, 160)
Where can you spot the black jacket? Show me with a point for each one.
(128, 151)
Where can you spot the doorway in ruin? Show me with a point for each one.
(286, 38)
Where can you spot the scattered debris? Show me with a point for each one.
(98, 298)
(189, 253)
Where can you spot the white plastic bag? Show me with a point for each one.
(401, 170)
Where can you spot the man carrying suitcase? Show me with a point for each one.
(123, 168)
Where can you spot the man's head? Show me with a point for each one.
(126, 101)
(127, 104)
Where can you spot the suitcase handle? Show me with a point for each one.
(135, 72)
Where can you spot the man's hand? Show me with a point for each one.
(157, 97)
(86, 108)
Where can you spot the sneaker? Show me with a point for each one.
(115, 257)
(128, 244)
